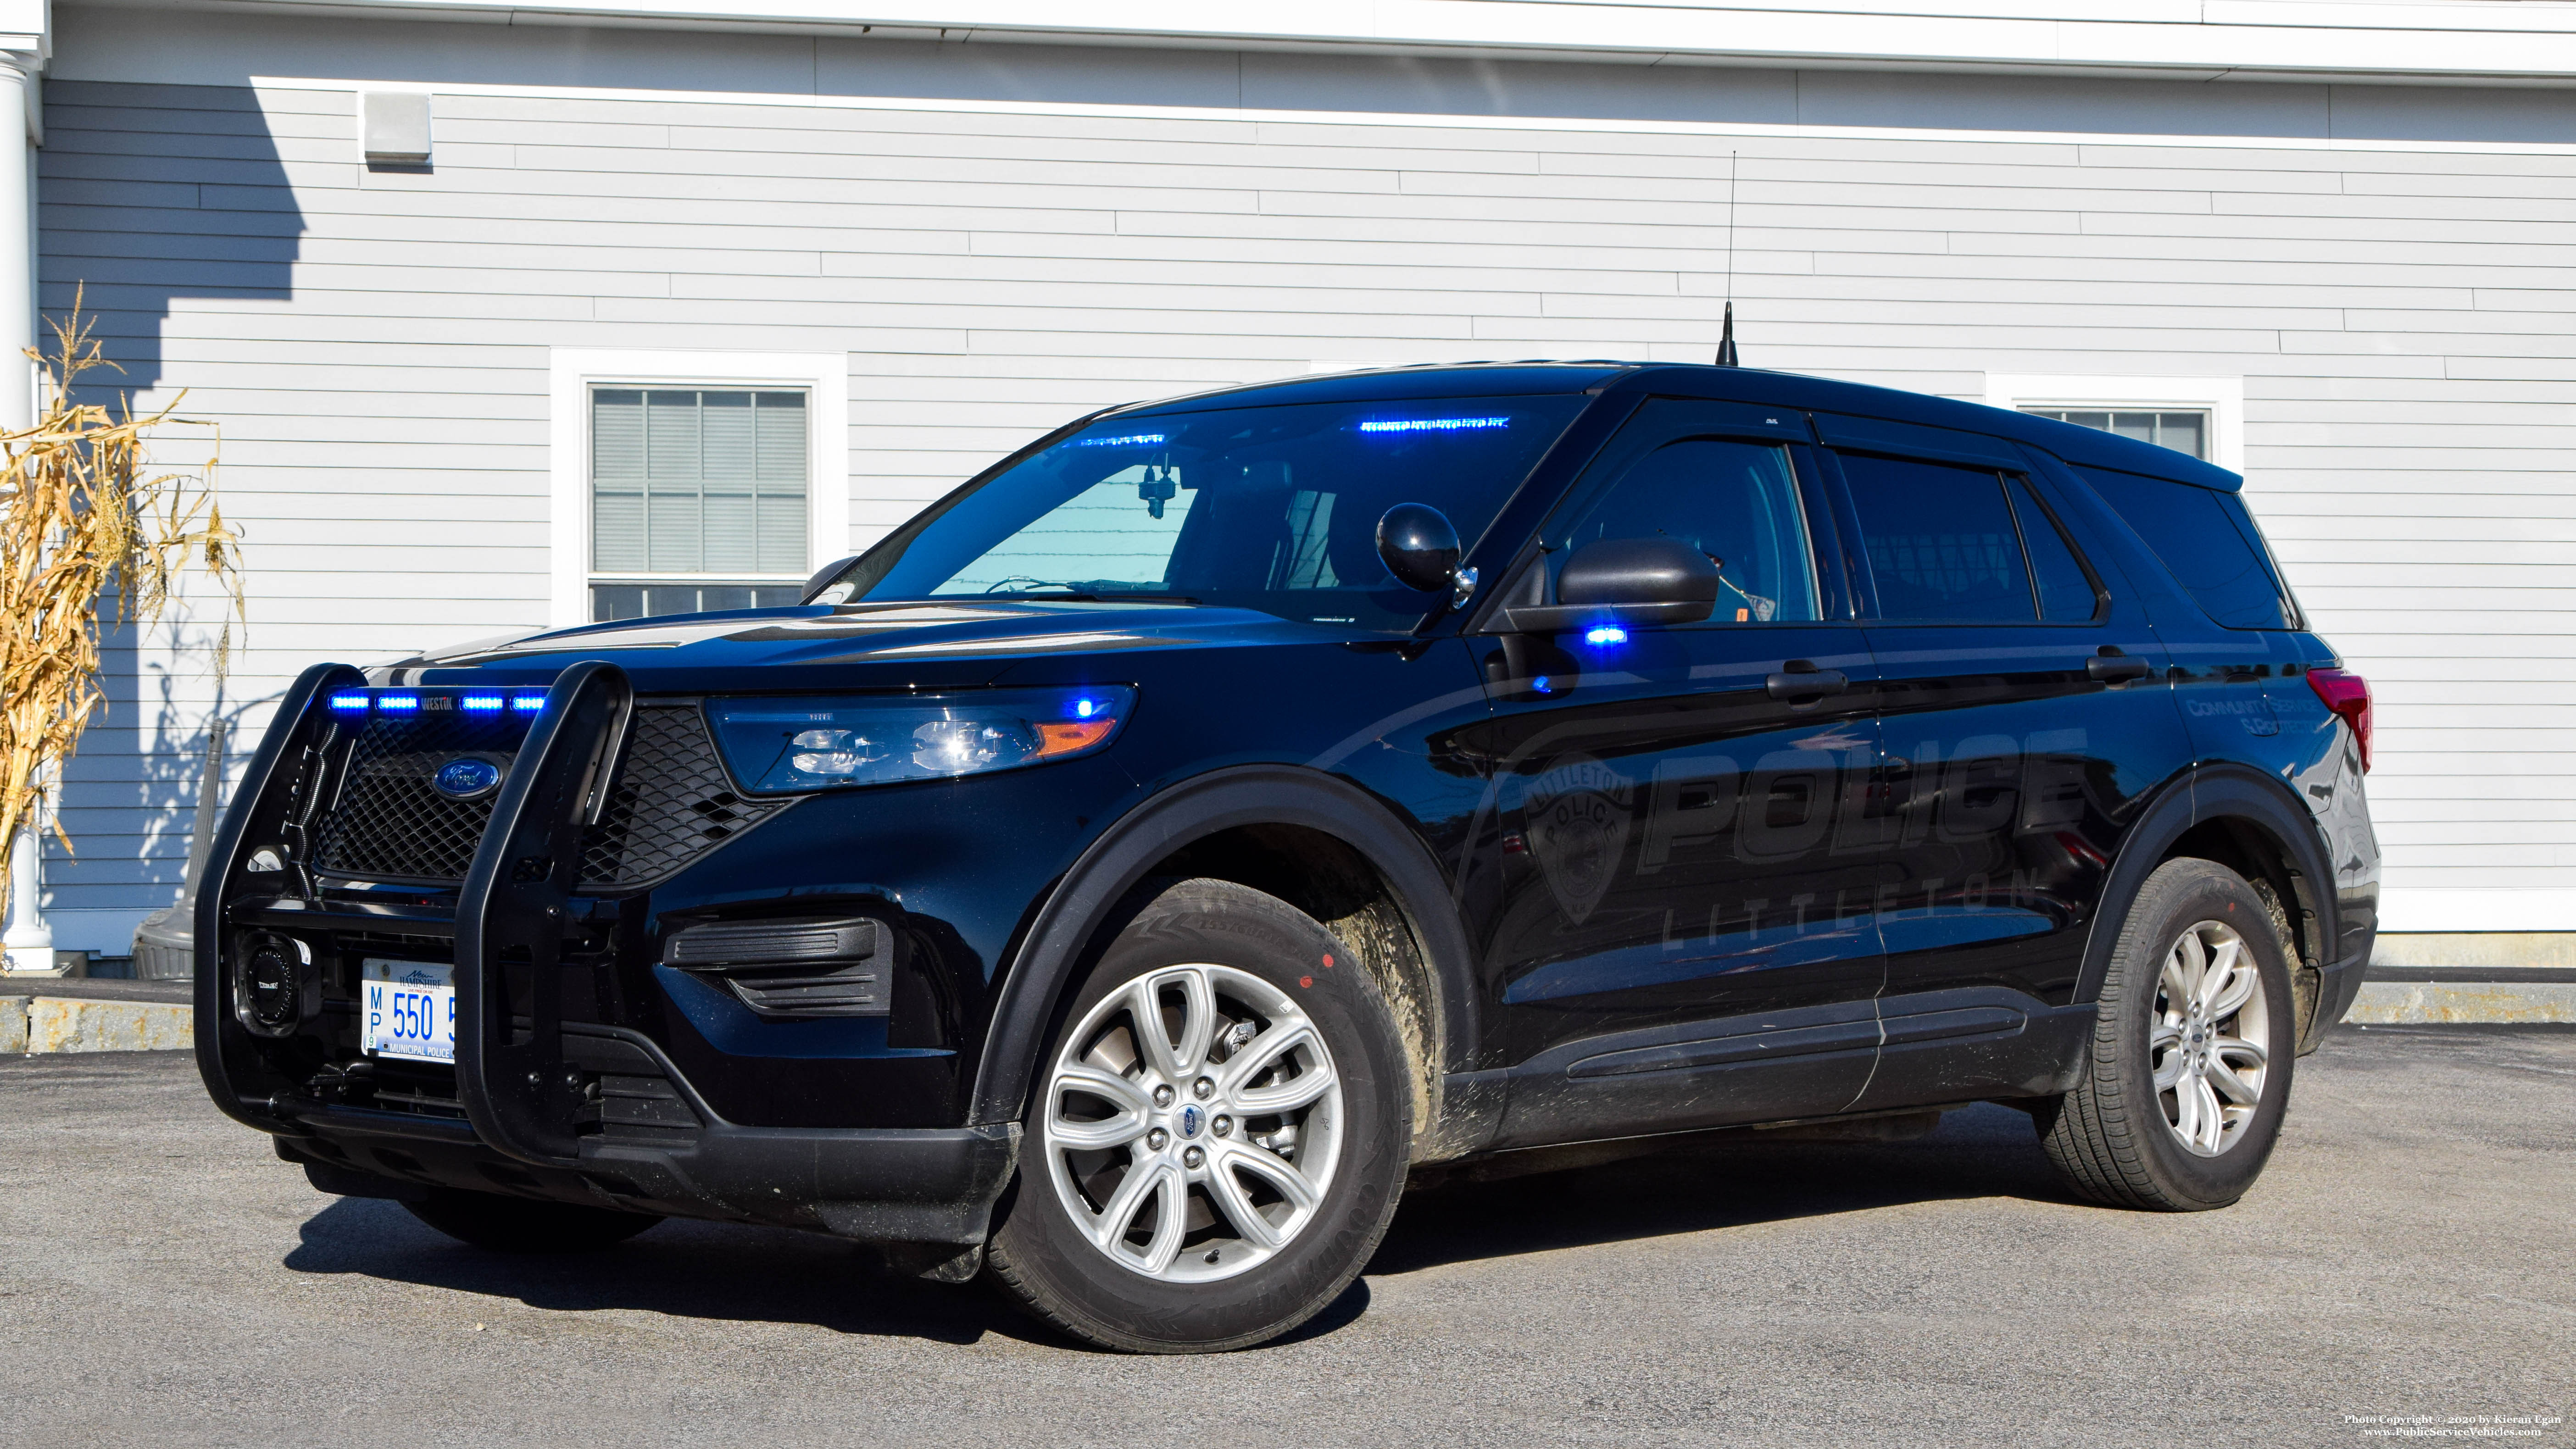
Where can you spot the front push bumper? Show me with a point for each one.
(543, 1107)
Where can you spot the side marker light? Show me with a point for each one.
(1064, 739)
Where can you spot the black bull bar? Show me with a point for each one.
(509, 925)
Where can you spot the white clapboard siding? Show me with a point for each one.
(375, 343)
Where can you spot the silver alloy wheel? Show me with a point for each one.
(1193, 1121)
(2209, 1042)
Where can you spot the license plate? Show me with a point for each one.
(408, 1009)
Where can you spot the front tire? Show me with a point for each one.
(1217, 1135)
(521, 1225)
(2193, 1048)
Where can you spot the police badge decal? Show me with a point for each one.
(1577, 823)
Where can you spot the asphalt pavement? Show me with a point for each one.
(2407, 1263)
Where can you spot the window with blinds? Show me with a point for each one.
(698, 500)
(2184, 432)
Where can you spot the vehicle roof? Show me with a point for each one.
(2074, 443)
(1432, 380)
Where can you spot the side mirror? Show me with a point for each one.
(1628, 581)
(825, 575)
(1420, 547)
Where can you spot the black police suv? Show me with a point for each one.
(1120, 878)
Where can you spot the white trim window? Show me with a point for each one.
(2199, 416)
(692, 481)
(697, 499)
(2185, 430)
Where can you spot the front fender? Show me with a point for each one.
(1041, 972)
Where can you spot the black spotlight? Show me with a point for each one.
(274, 987)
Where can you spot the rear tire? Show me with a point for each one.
(2193, 1049)
(522, 1225)
(1215, 1179)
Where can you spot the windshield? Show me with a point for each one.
(1269, 508)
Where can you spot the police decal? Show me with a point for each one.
(1577, 816)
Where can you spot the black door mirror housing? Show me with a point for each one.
(1628, 581)
(1419, 545)
(825, 575)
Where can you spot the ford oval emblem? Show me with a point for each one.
(466, 778)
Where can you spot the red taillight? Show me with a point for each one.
(2347, 694)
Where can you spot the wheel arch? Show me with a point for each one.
(2250, 823)
(1315, 841)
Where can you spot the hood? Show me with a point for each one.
(883, 645)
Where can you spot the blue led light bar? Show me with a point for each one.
(527, 703)
(1129, 440)
(1601, 634)
(348, 701)
(480, 702)
(1431, 425)
(398, 703)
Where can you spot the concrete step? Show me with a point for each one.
(2536, 996)
(51, 1023)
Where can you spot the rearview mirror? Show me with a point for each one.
(1628, 581)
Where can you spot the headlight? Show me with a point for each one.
(779, 746)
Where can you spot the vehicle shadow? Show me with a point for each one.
(771, 1275)
(1724, 1180)
(685, 1269)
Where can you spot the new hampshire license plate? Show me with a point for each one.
(408, 1009)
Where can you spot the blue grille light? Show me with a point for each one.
(348, 701)
(480, 702)
(399, 703)
(1130, 440)
(1431, 425)
(1602, 636)
(527, 703)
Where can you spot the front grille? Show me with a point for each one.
(389, 1098)
(389, 820)
(669, 804)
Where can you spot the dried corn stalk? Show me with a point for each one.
(82, 515)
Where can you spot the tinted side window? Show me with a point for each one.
(2209, 542)
(2066, 592)
(1941, 541)
(1736, 502)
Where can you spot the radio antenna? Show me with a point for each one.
(1726, 336)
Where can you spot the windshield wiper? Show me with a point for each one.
(1080, 593)
(1087, 597)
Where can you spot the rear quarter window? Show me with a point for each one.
(2209, 542)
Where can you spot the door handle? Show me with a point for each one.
(1799, 679)
(2112, 667)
